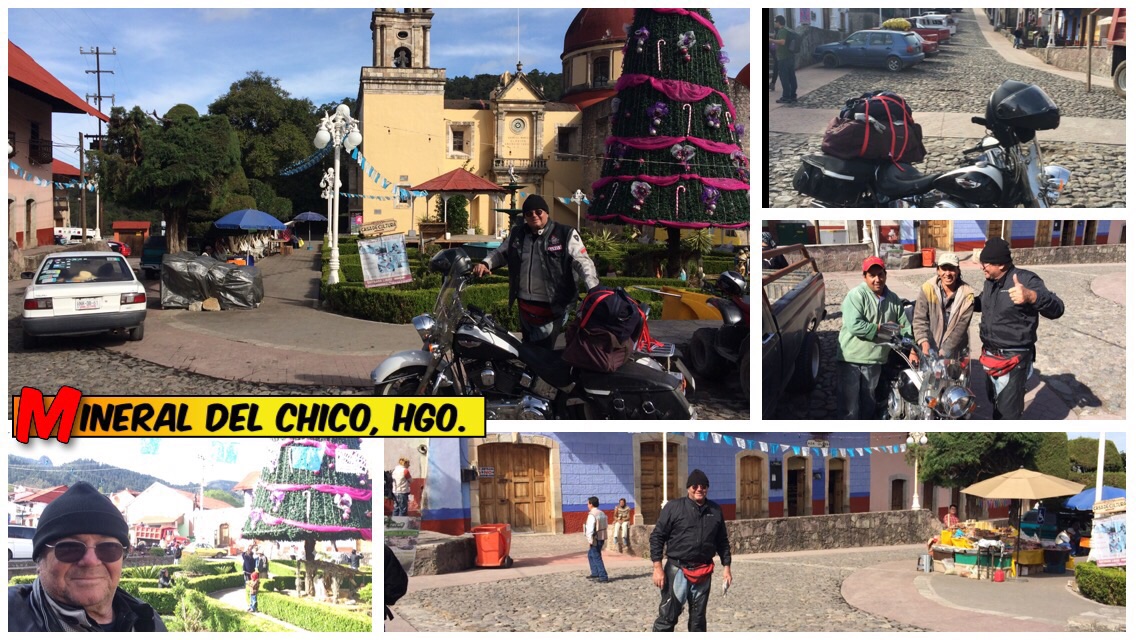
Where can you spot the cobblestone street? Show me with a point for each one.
(959, 81)
(1080, 356)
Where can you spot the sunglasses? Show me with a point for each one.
(699, 487)
(535, 212)
(71, 552)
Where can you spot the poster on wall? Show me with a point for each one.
(384, 261)
(400, 533)
(1109, 536)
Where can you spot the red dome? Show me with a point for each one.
(743, 76)
(597, 26)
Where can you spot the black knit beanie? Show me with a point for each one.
(996, 251)
(80, 510)
(697, 477)
(534, 202)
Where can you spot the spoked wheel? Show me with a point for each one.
(894, 64)
(404, 382)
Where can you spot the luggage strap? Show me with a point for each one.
(601, 296)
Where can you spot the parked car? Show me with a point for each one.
(930, 47)
(205, 550)
(792, 310)
(893, 50)
(20, 542)
(155, 247)
(82, 293)
(937, 21)
(119, 247)
(925, 27)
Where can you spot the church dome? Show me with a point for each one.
(593, 27)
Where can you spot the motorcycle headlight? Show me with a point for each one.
(424, 325)
(955, 403)
(1056, 178)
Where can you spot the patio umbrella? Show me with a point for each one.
(1084, 500)
(1023, 484)
(249, 220)
(309, 216)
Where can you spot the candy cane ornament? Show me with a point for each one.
(659, 53)
(611, 197)
(679, 189)
(730, 126)
(689, 110)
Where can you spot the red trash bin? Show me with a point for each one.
(493, 541)
(929, 257)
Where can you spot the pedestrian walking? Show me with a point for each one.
(775, 70)
(622, 523)
(595, 531)
(248, 564)
(786, 62)
(401, 487)
(690, 531)
(867, 310)
(262, 564)
(1010, 303)
(943, 309)
(1019, 34)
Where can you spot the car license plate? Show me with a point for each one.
(85, 304)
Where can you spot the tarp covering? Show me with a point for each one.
(187, 278)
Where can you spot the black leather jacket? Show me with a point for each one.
(130, 613)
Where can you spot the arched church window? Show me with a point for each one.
(601, 71)
(402, 58)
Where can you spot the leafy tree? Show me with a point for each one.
(456, 214)
(223, 496)
(178, 165)
(1083, 455)
(1053, 459)
(307, 493)
(962, 459)
(674, 159)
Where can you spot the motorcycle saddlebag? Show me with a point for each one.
(595, 349)
(832, 180)
(636, 392)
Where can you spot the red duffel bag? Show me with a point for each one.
(850, 139)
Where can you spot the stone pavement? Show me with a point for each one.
(871, 589)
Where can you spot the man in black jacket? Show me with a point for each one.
(1010, 303)
(78, 548)
(692, 529)
(395, 581)
(546, 259)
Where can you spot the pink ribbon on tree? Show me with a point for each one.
(676, 90)
(697, 18)
(655, 143)
(357, 494)
(257, 514)
(726, 184)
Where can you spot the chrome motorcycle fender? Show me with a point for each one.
(472, 335)
(398, 361)
(975, 184)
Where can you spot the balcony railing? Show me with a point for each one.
(503, 164)
(39, 151)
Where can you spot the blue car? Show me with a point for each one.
(893, 50)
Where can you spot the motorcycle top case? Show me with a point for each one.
(1022, 105)
(833, 180)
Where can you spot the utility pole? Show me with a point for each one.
(98, 71)
(82, 185)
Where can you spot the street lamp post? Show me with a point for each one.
(913, 438)
(329, 183)
(578, 197)
(341, 130)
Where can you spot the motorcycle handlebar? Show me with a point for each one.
(979, 121)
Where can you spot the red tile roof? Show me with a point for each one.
(458, 180)
(25, 71)
(130, 225)
(46, 496)
(587, 98)
(743, 76)
(61, 168)
(249, 482)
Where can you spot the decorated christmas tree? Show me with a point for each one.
(673, 158)
(315, 489)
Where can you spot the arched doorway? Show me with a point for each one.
(650, 494)
(838, 486)
(223, 538)
(798, 483)
(514, 486)
(753, 486)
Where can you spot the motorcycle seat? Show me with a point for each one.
(892, 182)
(631, 377)
(547, 364)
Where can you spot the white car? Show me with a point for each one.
(81, 293)
(948, 21)
(20, 542)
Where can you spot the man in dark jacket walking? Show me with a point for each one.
(546, 261)
(786, 62)
(1010, 303)
(78, 548)
(691, 530)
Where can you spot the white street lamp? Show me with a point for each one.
(578, 197)
(341, 130)
(913, 438)
(329, 183)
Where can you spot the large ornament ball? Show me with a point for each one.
(686, 58)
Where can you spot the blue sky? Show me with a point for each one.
(170, 56)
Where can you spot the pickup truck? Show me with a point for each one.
(935, 26)
(792, 310)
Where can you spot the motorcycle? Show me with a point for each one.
(465, 352)
(1008, 171)
(715, 351)
(932, 388)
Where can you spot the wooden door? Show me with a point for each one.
(1044, 234)
(837, 493)
(651, 479)
(937, 234)
(796, 488)
(517, 492)
(751, 499)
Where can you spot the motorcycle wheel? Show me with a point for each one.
(405, 386)
(704, 360)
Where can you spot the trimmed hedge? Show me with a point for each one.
(365, 593)
(278, 583)
(17, 580)
(1105, 585)
(313, 616)
(209, 584)
(162, 600)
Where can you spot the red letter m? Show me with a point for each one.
(62, 412)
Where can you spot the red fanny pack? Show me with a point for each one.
(698, 573)
(998, 366)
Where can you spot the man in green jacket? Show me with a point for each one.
(865, 310)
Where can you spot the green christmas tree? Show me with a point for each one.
(673, 158)
(315, 489)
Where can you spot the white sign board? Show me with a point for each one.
(384, 261)
(350, 461)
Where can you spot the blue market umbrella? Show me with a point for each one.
(249, 220)
(1084, 500)
(309, 216)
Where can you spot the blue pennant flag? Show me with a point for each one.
(150, 446)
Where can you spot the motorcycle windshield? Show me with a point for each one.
(448, 308)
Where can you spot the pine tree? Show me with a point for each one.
(302, 496)
(673, 159)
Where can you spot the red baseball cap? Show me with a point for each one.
(872, 262)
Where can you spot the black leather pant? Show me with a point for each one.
(670, 608)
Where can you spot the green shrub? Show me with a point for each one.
(364, 594)
(278, 568)
(278, 583)
(157, 552)
(150, 572)
(313, 616)
(163, 600)
(1105, 585)
(209, 584)
(194, 565)
(15, 580)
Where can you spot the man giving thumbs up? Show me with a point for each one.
(1010, 303)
